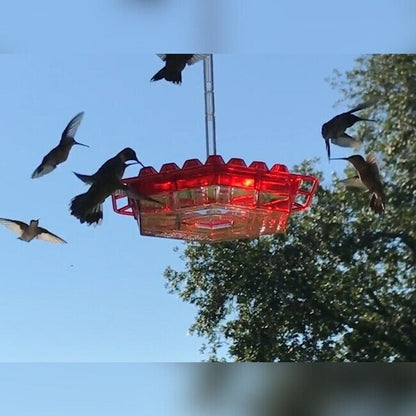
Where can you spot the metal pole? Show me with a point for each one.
(209, 106)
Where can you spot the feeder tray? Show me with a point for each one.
(216, 201)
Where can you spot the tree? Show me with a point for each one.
(341, 285)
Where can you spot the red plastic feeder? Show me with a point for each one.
(216, 201)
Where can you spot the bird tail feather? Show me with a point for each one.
(168, 75)
(81, 208)
(159, 75)
(377, 204)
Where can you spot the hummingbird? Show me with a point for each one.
(174, 64)
(60, 153)
(87, 207)
(368, 177)
(334, 129)
(114, 165)
(29, 232)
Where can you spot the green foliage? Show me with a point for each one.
(340, 285)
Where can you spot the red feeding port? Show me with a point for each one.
(216, 201)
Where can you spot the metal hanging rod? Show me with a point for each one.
(211, 144)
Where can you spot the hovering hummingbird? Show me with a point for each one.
(334, 129)
(174, 64)
(29, 232)
(60, 153)
(368, 177)
(87, 207)
(116, 165)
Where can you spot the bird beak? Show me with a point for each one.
(140, 163)
(338, 158)
(134, 163)
(85, 145)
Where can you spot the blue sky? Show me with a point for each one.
(96, 389)
(221, 26)
(101, 298)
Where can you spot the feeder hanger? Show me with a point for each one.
(211, 144)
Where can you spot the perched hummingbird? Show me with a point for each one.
(87, 207)
(60, 153)
(368, 177)
(174, 64)
(334, 129)
(29, 232)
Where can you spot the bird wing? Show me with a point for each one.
(372, 164)
(345, 140)
(87, 179)
(46, 235)
(13, 225)
(354, 182)
(43, 169)
(361, 107)
(107, 167)
(125, 190)
(73, 125)
(194, 58)
(104, 169)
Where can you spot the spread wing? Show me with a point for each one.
(87, 179)
(46, 235)
(72, 127)
(13, 225)
(195, 57)
(43, 169)
(360, 107)
(353, 182)
(131, 193)
(372, 163)
(347, 141)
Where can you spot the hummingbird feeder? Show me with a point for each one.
(215, 201)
